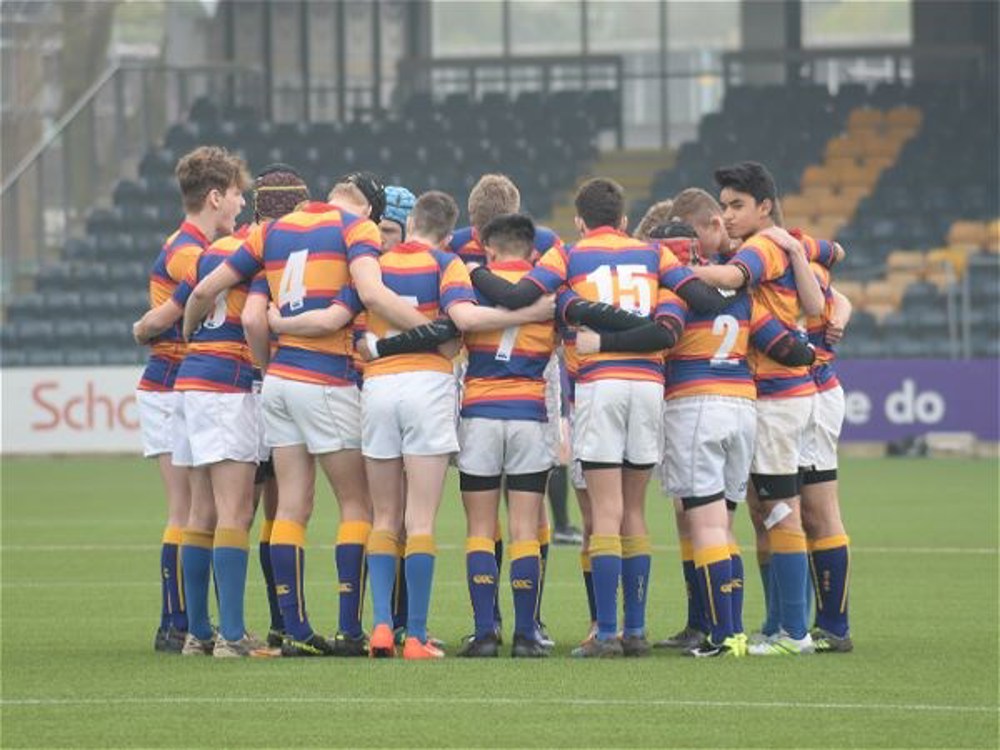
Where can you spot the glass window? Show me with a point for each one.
(467, 28)
(833, 23)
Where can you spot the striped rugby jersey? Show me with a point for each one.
(772, 283)
(710, 358)
(432, 281)
(305, 257)
(505, 374)
(823, 371)
(466, 244)
(608, 266)
(175, 262)
(218, 357)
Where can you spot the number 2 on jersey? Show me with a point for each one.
(292, 289)
(634, 294)
(729, 328)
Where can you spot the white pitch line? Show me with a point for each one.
(492, 701)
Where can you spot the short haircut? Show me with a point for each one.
(695, 206)
(209, 168)
(510, 234)
(659, 213)
(600, 202)
(349, 192)
(491, 196)
(277, 190)
(434, 215)
(748, 177)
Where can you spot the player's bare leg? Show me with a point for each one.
(587, 518)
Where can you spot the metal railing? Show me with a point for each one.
(98, 140)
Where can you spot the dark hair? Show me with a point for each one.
(748, 177)
(434, 215)
(277, 190)
(600, 202)
(372, 187)
(510, 233)
(671, 229)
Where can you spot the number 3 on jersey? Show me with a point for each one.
(634, 292)
(292, 289)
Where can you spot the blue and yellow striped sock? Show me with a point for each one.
(771, 608)
(196, 558)
(606, 560)
(481, 575)
(172, 613)
(831, 566)
(636, 559)
(399, 590)
(420, 553)
(264, 552)
(525, 575)
(352, 536)
(230, 557)
(789, 568)
(587, 568)
(736, 563)
(288, 561)
(696, 617)
(498, 554)
(382, 571)
(544, 540)
(715, 576)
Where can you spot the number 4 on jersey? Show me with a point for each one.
(292, 289)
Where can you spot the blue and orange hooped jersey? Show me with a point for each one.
(305, 257)
(466, 245)
(218, 357)
(772, 283)
(505, 377)
(175, 262)
(607, 265)
(432, 281)
(824, 372)
(711, 356)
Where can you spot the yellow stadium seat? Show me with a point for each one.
(865, 117)
(881, 147)
(904, 116)
(793, 221)
(955, 257)
(838, 204)
(968, 233)
(854, 174)
(885, 292)
(843, 146)
(815, 175)
(905, 261)
(876, 165)
(826, 227)
(855, 192)
(797, 204)
(993, 236)
(853, 290)
(817, 193)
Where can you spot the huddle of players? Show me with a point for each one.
(349, 304)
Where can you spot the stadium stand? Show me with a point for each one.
(99, 285)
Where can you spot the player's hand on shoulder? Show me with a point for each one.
(834, 333)
(137, 333)
(543, 308)
(588, 341)
(783, 239)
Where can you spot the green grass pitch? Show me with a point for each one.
(80, 603)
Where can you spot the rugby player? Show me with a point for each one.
(780, 279)
(211, 184)
(311, 399)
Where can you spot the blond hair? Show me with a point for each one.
(491, 196)
(657, 214)
(695, 206)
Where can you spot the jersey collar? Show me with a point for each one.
(189, 228)
(606, 229)
(412, 247)
(514, 264)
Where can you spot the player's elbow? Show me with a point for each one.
(464, 317)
